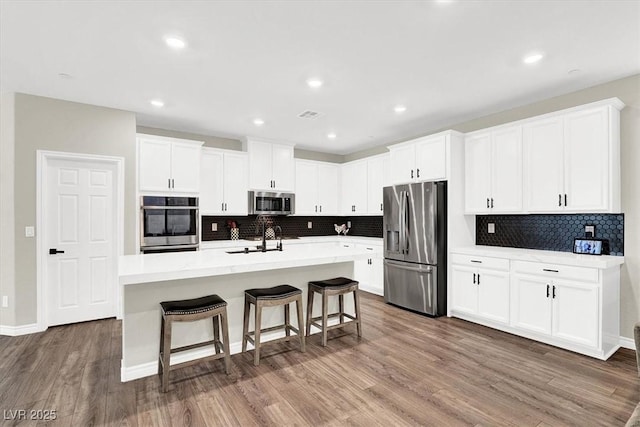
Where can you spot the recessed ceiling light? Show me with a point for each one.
(158, 103)
(399, 109)
(533, 58)
(574, 72)
(65, 76)
(175, 42)
(314, 83)
(258, 122)
(331, 135)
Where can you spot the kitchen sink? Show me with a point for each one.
(247, 250)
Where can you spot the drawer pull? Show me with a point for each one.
(369, 249)
(549, 270)
(475, 260)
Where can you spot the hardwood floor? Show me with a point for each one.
(406, 370)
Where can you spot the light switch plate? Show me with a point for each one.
(309, 224)
(29, 231)
(590, 229)
(491, 228)
(214, 226)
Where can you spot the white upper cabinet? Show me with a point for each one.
(271, 166)
(224, 185)
(493, 171)
(572, 160)
(354, 188)
(423, 159)
(168, 165)
(317, 188)
(377, 179)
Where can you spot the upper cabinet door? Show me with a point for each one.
(306, 188)
(375, 180)
(402, 164)
(544, 165)
(185, 168)
(260, 166)
(586, 160)
(211, 182)
(236, 183)
(506, 170)
(283, 167)
(328, 189)
(477, 159)
(154, 165)
(354, 188)
(431, 159)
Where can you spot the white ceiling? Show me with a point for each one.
(446, 61)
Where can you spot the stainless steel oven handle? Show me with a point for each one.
(169, 207)
(403, 266)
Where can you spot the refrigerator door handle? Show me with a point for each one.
(406, 222)
(425, 269)
(401, 221)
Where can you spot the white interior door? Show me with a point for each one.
(80, 219)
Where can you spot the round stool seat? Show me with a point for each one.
(280, 291)
(193, 306)
(337, 282)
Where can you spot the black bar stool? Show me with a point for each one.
(331, 287)
(188, 311)
(269, 297)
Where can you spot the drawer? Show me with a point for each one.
(580, 274)
(480, 261)
(376, 249)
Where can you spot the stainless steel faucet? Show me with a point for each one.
(279, 245)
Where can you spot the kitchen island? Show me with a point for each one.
(146, 280)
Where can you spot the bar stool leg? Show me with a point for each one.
(310, 293)
(356, 302)
(287, 320)
(225, 336)
(300, 324)
(256, 336)
(160, 355)
(216, 333)
(166, 354)
(325, 316)
(245, 323)
(341, 307)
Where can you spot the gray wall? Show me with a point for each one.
(7, 253)
(628, 90)
(55, 125)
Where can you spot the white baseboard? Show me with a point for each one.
(14, 331)
(627, 343)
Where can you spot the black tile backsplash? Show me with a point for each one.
(367, 226)
(549, 232)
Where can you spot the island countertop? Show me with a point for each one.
(147, 268)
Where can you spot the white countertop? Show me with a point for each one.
(184, 265)
(554, 257)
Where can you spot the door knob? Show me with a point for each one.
(54, 251)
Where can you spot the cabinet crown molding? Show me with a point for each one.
(169, 139)
(450, 132)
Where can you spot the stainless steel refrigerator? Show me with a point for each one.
(415, 246)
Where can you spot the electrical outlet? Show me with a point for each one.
(29, 231)
(590, 230)
(348, 224)
(491, 228)
(214, 226)
(309, 224)
(5, 301)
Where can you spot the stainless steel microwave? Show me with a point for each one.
(269, 203)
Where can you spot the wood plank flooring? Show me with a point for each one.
(406, 370)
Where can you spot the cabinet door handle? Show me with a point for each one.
(417, 173)
(487, 203)
(554, 291)
(559, 199)
(565, 199)
(168, 182)
(316, 208)
(474, 278)
(548, 270)
(320, 208)
(380, 206)
(225, 207)
(411, 173)
(547, 290)
(492, 203)
(221, 206)
(478, 278)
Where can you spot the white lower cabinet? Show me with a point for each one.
(369, 272)
(573, 307)
(479, 291)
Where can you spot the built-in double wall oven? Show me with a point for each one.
(168, 224)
